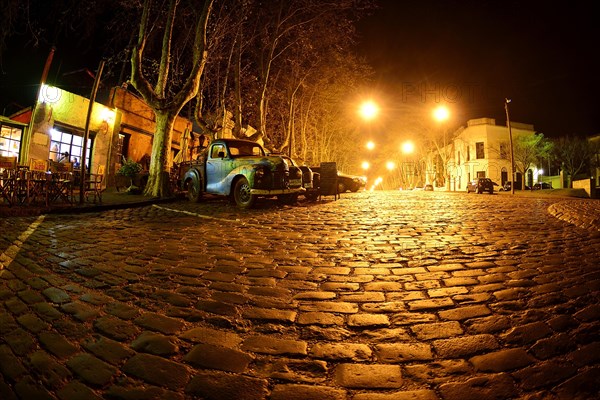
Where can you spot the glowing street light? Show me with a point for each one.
(370, 145)
(408, 147)
(390, 165)
(441, 113)
(368, 110)
(366, 165)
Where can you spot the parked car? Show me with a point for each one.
(347, 182)
(542, 185)
(241, 170)
(310, 179)
(428, 187)
(507, 187)
(481, 185)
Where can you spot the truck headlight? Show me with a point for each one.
(259, 173)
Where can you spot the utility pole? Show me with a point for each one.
(29, 134)
(86, 134)
(512, 153)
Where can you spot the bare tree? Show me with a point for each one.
(166, 103)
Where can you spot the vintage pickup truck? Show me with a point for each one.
(241, 170)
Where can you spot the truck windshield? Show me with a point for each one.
(240, 149)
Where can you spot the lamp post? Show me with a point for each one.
(512, 153)
(441, 114)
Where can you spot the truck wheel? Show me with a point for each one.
(194, 192)
(241, 194)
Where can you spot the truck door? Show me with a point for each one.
(214, 169)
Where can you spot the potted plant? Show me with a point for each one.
(130, 169)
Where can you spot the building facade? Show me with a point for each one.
(482, 150)
(122, 129)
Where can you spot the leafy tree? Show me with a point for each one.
(576, 155)
(528, 149)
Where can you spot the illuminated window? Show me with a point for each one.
(479, 150)
(71, 141)
(10, 140)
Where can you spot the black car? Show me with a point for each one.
(542, 185)
(481, 185)
(347, 182)
(507, 187)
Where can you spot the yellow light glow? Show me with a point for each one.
(441, 113)
(369, 110)
(49, 94)
(408, 147)
(366, 165)
(390, 165)
(107, 115)
(370, 145)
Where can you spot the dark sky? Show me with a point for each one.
(471, 55)
(467, 54)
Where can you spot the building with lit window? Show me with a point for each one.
(482, 150)
(11, 136)
(124, 129)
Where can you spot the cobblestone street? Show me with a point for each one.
(375, 296)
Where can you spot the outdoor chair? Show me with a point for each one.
(61, 182)
(93, 185)
(38, 178)
(8, 166)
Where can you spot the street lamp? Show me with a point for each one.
(368, 110)
(366, 165)
(370, 145)
(408, 147)
(441, 113)
(512, 153)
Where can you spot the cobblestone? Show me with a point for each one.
(374, 296)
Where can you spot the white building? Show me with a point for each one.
(482, 149)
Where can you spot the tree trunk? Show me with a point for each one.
(158, 180)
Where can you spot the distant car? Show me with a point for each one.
(428, 187)
(352, 183)
(542, 185)
(346, 182)
(481, 185)
(507, 187)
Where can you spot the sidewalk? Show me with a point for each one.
(111, 199)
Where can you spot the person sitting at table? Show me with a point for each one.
(76, 162)
(65, 158)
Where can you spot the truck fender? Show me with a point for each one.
(193, 177)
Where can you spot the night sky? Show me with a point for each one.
(470, 55)
(466, 54)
